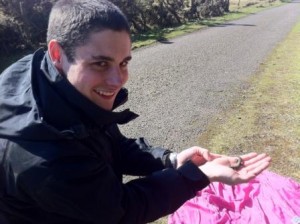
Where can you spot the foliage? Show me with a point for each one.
(24, 25)
(151, 14)
(9, 31)
(208, 8)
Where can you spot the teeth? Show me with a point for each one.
(104, 93)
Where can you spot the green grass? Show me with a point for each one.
(166, 34)
(267, 116)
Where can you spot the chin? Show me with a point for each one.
(108, 108)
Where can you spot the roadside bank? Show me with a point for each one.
(266, 118)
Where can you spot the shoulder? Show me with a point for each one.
(19, 73)
(25, 63)
(19, 66)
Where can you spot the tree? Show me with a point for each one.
(26, 26)
(30, 18)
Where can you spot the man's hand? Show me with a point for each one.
(225, 170)
(197, 155)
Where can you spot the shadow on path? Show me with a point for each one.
(232, 24)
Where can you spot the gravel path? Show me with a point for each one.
(179, 87)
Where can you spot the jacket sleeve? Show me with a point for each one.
(139, 158)
(97, 196)
(161, 193)
(86, 188)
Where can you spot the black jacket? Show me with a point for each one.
(62, 157)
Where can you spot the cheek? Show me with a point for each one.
(125, 78)
(79, 78)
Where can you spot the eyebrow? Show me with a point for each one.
(106, 58)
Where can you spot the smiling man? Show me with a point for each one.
(99, 69)
(62, 156)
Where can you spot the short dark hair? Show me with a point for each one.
(72, 21)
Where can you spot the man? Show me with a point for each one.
(62, 155)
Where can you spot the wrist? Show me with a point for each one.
(207, 170)
(194, 176)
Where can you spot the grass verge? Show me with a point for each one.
(267, 116)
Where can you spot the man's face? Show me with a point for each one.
(99, 69)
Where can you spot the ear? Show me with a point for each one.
(56, 54)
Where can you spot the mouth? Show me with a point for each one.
(105, 94)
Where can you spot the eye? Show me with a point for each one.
(124, 64)
(100, 64)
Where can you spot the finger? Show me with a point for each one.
(264, 165)
(215, 156)
(248, 175)
(204, 153)
(248, 156)
(253, 166)
(209, 156)
(225, 161)
(256, 159)
(198, 160)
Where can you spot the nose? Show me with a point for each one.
(115, 77)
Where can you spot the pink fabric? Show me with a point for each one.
(268, 199)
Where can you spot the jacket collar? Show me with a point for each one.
(80, 105)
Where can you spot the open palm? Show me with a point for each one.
(220, 169)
